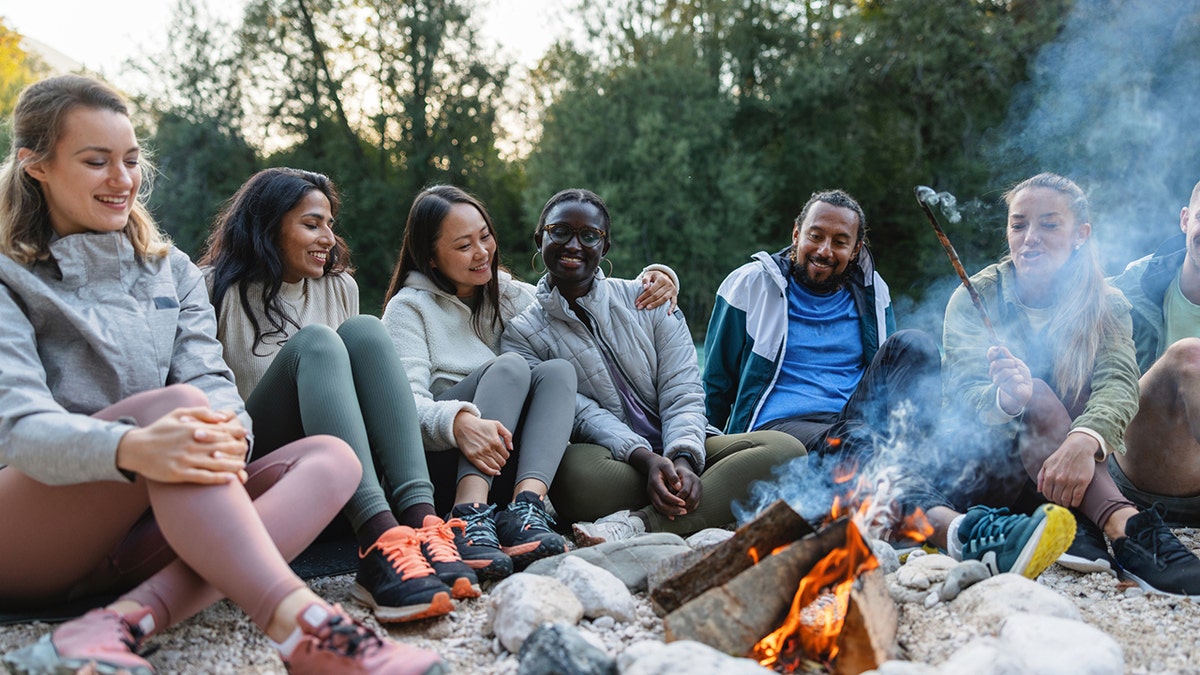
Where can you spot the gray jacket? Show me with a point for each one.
(86, 329)
(653, 349)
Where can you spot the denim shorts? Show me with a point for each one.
(1180, 511)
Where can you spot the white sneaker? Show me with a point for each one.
(614, 527)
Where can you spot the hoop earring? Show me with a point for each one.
(610, 267)
(533, 264)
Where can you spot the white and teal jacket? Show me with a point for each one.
(748, 331)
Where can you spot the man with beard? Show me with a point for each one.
(799, 342)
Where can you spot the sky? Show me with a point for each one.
(103, 35)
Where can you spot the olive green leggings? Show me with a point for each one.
(591, 484)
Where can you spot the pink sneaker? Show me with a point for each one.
(103, 640)
(334, 642)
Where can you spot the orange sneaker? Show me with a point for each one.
(396, 582)
(437, 543)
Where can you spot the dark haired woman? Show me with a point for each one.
(306, 363)
(117, 413)
(446, 307)
(656, 465)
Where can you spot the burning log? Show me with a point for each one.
(927, 198)
(778, 525)
(868, 636)
(733, 617)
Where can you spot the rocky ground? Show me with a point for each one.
(1156, 633)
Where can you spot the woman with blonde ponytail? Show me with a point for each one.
(1061, 386)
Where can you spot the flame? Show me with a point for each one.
(819, 607)
(754, 554)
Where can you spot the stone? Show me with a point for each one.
(924, 571)
(1047, 645)
(683, 656)
(521, 603)
(559, 649)
(988, 603)
(630, 560)
(709, 536)
(598, 590)
(896, 667)
(889, 559)
(962, 576)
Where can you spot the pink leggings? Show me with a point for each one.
(204, 542)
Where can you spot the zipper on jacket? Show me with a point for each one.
(617, 364)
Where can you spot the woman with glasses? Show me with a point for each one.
(482, 416)
(656, 465)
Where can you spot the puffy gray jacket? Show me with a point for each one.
(653, 349)
(86, 329)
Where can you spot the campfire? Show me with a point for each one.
(793, 597)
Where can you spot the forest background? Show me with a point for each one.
(705, 124)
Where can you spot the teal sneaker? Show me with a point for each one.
(1016, 543)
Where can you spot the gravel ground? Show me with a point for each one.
(1158, 633)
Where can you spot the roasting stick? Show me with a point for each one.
(926, 197)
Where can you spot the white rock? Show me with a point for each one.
(708, 537)
(522, 602)
(988, 603)
(683, 656)
(924, 571)
(1048, 645)
(599, 591)
(902, 668)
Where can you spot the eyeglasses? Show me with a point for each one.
(588, 236)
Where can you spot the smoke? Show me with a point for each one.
(1113, 103)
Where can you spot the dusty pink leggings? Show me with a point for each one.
(215, 541)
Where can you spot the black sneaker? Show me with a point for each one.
(477, 543)
(1016, 543)
(524, 530)
(396, 582)
(1089, 552)
(1153, 557)
(437, 543)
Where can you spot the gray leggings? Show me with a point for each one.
(347, 384)
(536, 404)
(592, 484)
(202, 543)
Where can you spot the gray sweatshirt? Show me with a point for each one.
(86, 329)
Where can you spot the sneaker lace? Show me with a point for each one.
(479, 527)
(440, 539)
(992, 526)
(348, 637)
(403, 551)
(1163, 543)
(533, 516)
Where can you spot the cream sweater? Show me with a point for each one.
(329, 300)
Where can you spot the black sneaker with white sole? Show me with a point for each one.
(1153, 557)
(1088, 552)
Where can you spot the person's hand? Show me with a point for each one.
(689, 485)
(1011, 377)
(187, 445)
(663, 485)
(657, 288)
(485, 443)
(1068, 471)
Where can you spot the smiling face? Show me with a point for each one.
(464, 249)
(306, 237)
(572, 264)
(1042, 235)
(1189, 222)
(824, 246)
(91, 178)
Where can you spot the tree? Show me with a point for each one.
(18, 69)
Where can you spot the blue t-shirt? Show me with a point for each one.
(822, 363)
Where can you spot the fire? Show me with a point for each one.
(819, 607)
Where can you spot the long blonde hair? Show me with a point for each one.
(1081, 320)
(37, 125)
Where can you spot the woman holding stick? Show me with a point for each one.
(123, 434)
(1060, 388)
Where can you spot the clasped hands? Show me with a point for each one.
(673, 488)
(187, 445)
